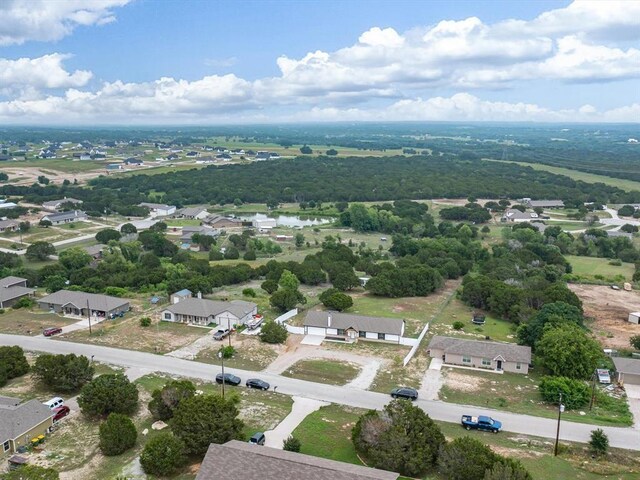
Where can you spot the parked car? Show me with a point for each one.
(60, 412)
(481, 423)
(257, 383)
(54, 403)
(220, 334)
(50, 332)
(228, 379)
(405, 392)
(257, 439)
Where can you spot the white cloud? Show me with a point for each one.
(50, 20)
(377, 37)
(39, 73)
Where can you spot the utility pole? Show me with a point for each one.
(560, 410)
(221, 357)
(89, 316)
(593, 389)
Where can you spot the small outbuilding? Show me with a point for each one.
(634, 317)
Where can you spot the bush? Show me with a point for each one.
(31, 472)
(285, 299)
(249, 292)
(63, 373)
(273, 332)
(13, 363)
(215, 255)
(575, 393)
(24, 302)
(145, 322)
(466, 458)
(163, 455)
(117, 434)
(635, 342)
(458, 325)
(336, 300)
(165, 400)
(231, 253)
(291, 444)
(249, 255)
(269, 286)
(111, 393)
(599, 442)
(228, 351)
(116, 291)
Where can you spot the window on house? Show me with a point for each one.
(486, 362)
(341, 331)
(5, 446)
(167, 316)
(362, 334)
(381, 336)
(518, 366)
(466, 359)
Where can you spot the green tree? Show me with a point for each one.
(24, 227)
(338, 301)
(249, 255)
(306, 150)
(269, 286)
(166, 399)
(299, 239)
(635, 342)
(128, 229)
(466, 458)
(402, 438)
(74, 258)
(551, 315)
(31, 472)
(231, 253)
(285, 299)
(13, 363)
(599, 442)
(626, 211)
(54, 283)
(575, 393)
(272, 332)
(291, 444)
(108, 393)
(331, 152)
(288, 281)
(40, 251)
(346, 281)
(117, 434)
(204, 419)
(45, 223)
(507, 469)
(567, 351)
(63, 373)
(163, 455)
(108, 234)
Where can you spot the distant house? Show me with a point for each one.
(65, 217)
(627, 370)
(516, 216)
(262, 155)
(22, 421)
(8, 226)
(54, 205)
(47, 154)
(115, 166)
(189, 232)
(264, 223)
(205, 160)
(274, 156)
(95, 251)
(498, 356)
(5, 205)
(81, 156)
(193, 213)
(13, 289)
(543, 203)
(618, 233)
(159, 209)
(134, 161)
(224, 156)
(68, 302)
(239, 460)
(172, 156)
(349, 328)
(220, 222)
(192, 154)
(180, 295)
(201, 311)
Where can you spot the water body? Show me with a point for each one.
(288, 220)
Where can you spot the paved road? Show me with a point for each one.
(147, 362)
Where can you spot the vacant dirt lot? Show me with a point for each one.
(610, 310)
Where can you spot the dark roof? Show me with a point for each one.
(481, 348)
(360, 323)
(17, 418)
(627, 365)
(237, 460)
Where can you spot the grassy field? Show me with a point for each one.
(65, 165)
(30, 322)
(519, 394)
(332, 372)
(591, 266)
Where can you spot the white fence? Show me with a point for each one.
(413, 350)
(286, 316)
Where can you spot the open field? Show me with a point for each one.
(518, 393)
(250, 354)
(30, 322)
(332, 372)
(592, 266)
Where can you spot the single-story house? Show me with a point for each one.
(6, 205)
(235, 460)
(159, 209)
(515, 215)
(618, 233)
(54, 205)
(627, 370)
(65, 217)
(134, 161)
(262, 223)
(13, 289)
(180, 295)
(349, 328)
(81, 156)
(193, 213)
(188, 232)
(20, 422)
(545, 203)
(220, 222)
(498, 356)
(8, 226)
(115, 166)
(201, 311)
(75, 303)
(95, 251)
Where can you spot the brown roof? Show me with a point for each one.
(481, 348)
(239, 460)
(360, 323)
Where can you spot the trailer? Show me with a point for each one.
(255, 322)
(634, 317)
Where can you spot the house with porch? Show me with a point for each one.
(65, 217)
(498, 356)
(80, 304)
(13, 289)
(8, 226)
(193, 213)
(22, 421)
(350, 328)
(200, 311)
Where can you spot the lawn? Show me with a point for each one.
(332, 372)
(518, 393)
(592, 266)
(30, 322)
(78, 226)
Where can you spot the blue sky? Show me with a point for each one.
(166, 61)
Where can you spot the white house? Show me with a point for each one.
(159, 209)
(200, 311)
(65, 217)
(193, 213)
(349, 328)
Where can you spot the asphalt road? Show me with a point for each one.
(628, 438)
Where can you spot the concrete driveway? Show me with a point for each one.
(432, 380)
(633, 397)
(299, 411)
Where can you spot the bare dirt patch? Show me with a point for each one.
(610, 310)
(461, 382)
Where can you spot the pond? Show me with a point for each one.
(288, 220)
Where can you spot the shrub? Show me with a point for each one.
(163, 455)
(13, 362)
(466, 458)
(273, 332)
(31, 472)
(24, 302)
(145, 322)
(228, 351)
(575, 393)
(249, 292)
(2, 310)
(215, 255)
(291, 444)
(116, 291)
(165, 400)
(635, 342)
(117, 434)
(269, 286)
(599, 442)
(64, 373)
(108, 393)
(249, 255)
(458, 325)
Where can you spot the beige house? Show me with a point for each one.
(507, 357)
(21, 422)
(200, 311)
(350, 328)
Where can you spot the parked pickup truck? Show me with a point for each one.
(481, 423)
(220, 334)
(255, 322)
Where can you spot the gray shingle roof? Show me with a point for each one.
(627, 365)
(481, 348)
(18, 418)
(9, 290)
(8, 223)
(96, 301)
(546, 203)
(515, 214)
(359, 322)
(191, 211)
(156, 206)
(57, 217)
(238, 460)
(11, 281)
(201, 307)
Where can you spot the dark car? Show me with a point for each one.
(257, 439)
(405, 392)
(257, 383)
(60, 412)
(49, 332)
(228, 379)
(220, 334)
